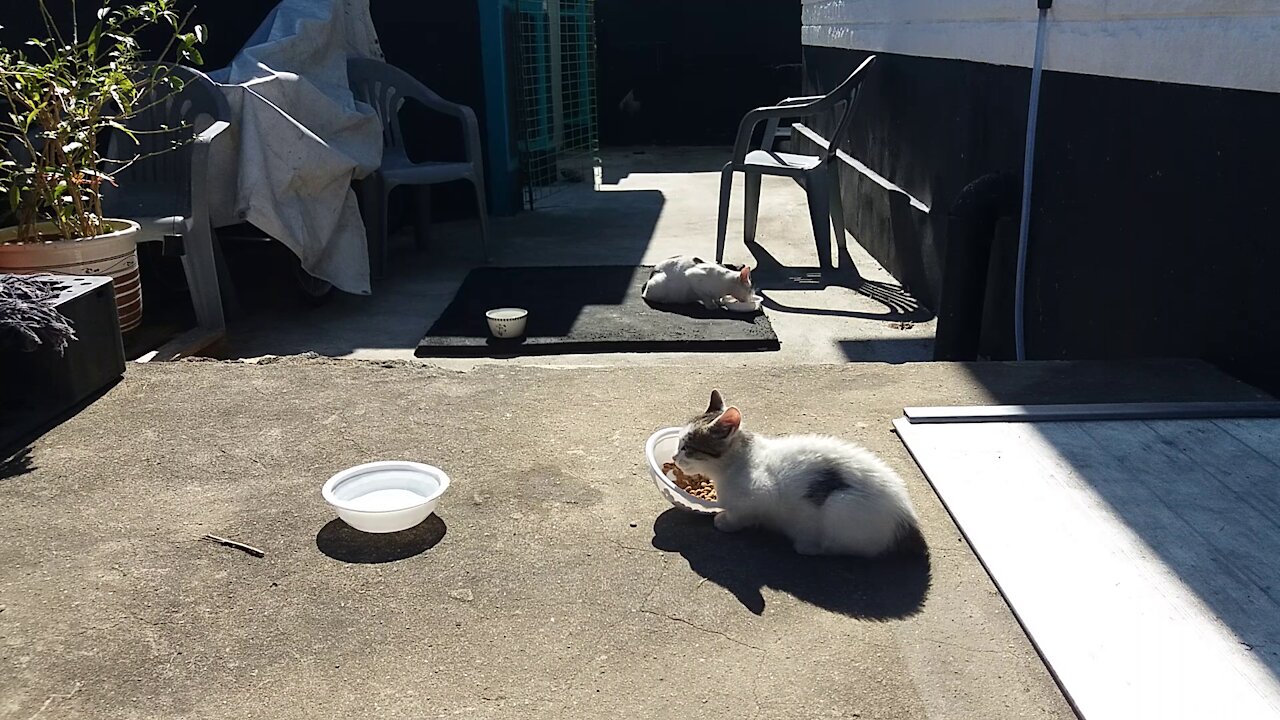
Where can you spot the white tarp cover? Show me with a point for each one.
(298, 138)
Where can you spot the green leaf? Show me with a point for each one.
(94, 37)
(118, 126)
(201, 33)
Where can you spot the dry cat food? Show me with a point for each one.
(699, 486)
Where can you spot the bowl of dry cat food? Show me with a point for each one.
(683, 490)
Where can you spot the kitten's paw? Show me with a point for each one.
(808, 546)
(725, 522)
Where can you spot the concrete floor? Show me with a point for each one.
(554, 583)
(653, 204)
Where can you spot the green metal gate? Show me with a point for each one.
(558, 139)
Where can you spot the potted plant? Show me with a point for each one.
(60, 99)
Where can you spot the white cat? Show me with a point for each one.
(829, 496)
(684, 279)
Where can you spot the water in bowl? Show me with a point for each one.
(386, 500)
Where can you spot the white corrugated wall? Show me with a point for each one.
(1218, 43)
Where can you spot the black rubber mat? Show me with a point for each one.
(585, 310)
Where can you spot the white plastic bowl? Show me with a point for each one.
(387, 496)
(507, 322)
(659, 449)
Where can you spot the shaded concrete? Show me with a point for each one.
(555, 582)
(652, 205)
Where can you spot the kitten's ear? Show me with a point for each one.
(744, 275)
(717, 402)
(728, 423)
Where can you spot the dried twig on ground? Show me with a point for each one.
(237, 545)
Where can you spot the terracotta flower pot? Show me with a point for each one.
(113, 254)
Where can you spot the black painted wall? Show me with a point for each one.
(694, 66)
(230, 23)
(439, 44)
(1153, 233)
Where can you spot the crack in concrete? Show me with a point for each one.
(51, 698)
(238, 456)
(695, 626)
(636, 549)
(657, 581)
(959, 646)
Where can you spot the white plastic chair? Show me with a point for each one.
(818, 173)
(386, 88)
(168, 194)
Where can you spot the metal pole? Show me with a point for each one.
(1028, 167)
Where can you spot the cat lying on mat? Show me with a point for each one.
(830, 497)
(685, 279)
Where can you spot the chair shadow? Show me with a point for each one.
(17, 465)
(769, 274)
(342, 542)
(888, 587)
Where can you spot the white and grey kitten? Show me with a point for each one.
(830, 497)
(684, 279)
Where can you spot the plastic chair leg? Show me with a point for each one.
(373, 209)
(837, 215)
(751, 206)
(816, 187)
(484, 219)
(722, 218)
(200, 264)
(422, 216)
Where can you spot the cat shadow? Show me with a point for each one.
(342, 542)
(697, 311)
(889, 587)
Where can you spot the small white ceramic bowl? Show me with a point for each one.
(507, 322)
(387, 496)
(659, 449)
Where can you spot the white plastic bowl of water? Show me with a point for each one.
(386, 496)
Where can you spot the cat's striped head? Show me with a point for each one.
(709, 437)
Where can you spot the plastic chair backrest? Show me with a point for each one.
(376, 84)
(386, 88)
(160, 181)
(847, 93)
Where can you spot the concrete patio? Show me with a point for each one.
(653, 204)
(555, 582)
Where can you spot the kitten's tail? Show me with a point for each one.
(910, 542)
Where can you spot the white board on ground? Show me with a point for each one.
(1141, 556)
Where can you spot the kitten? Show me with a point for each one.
(684, 279)
(828, 496)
